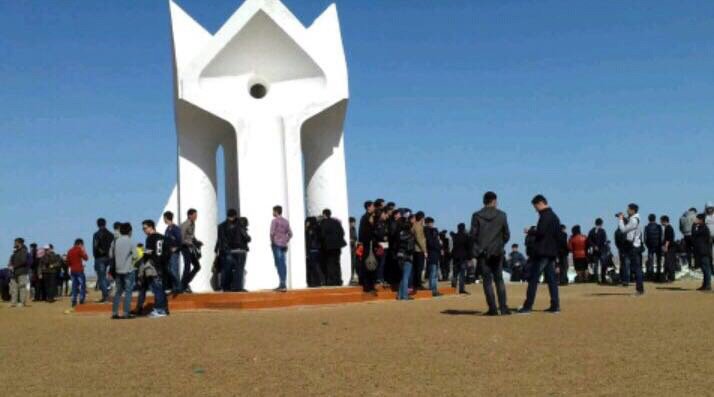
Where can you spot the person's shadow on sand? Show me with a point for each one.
(454, 312)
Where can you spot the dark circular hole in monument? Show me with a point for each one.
(258, 91)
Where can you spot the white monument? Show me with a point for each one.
(273, 94)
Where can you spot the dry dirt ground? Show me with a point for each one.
(604, 343)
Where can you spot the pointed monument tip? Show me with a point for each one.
(329, 15)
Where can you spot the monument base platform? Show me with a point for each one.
(267, 299)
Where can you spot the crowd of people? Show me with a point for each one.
(389, 246)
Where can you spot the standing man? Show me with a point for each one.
(653, 242)
(545, 250)
(490, 233)
(232, 249)
(669, 250)
(597, 242)
(75, 261)
(420, 250)
(630, 226)
(50, 264)
(433, 246)
(365, 238)
(709, 221)
(190, 250)
(445, 260)
(125, 255)
(172, 247)
(563, 257)
(702, 246)
(685, 226)
(280, 235)
(353, 249)
(101, 245)
(20, 267)
(332, 235)
(149, 275)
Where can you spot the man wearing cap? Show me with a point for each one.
(49, 265)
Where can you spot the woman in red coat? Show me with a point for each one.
(578, 246)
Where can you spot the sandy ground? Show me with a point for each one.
(604, 343)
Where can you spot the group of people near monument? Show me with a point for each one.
(389, 246)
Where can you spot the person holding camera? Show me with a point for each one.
(489, 231)
(630, 226)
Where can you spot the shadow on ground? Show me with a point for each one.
(452, 312)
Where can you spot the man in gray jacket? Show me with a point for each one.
(685, 226)
(124, 255)
(489, 230)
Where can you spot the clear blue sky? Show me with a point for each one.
(592, 103)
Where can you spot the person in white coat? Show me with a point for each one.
(630, 225)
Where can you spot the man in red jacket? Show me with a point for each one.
(75, 262)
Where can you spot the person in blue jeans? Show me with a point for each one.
(101, 245)
(280, 235)
(405, 253)
(433, 246)
(125, 255)
(279, 258)
(79, 287)
(702, 247)
(404, 283)
(172, 245)
(546, 247)
(630, 226)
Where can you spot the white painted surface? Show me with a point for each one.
(266, 141)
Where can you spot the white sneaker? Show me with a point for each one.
(156, 314)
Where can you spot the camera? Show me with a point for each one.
(619, 214)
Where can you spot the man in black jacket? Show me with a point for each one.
(333, 239)
(702, 247)
(489, 230)
(365, 235)
(597, 242)
(545, 251)
(653, 242)
(461, 254)
(232, 248)
(101, 245)
(669, 249)
(563, 256)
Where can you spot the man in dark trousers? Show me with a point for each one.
(702, 247)
(669, 249)
(232, 248)
(489, 231)
(545, 250)
(333, 240)
(597, 240)
(365, 237)
(563, 256)
(101, 245)
(653, 242)
(433, 248)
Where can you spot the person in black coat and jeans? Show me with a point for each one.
(546, 249)
(702, 246)
(333, 240)
(461, 254)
